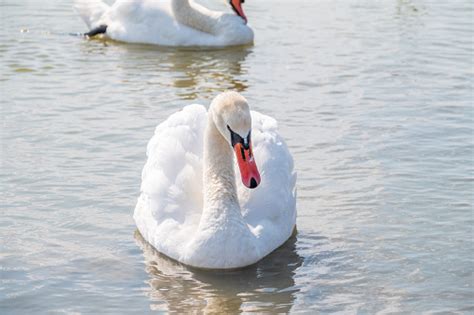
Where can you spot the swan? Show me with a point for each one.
(191, 207)
(166, 23)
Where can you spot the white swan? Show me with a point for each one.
(191, 207)
(167, 23)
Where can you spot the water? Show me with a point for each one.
(374, 99)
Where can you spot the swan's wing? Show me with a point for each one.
(152, 22)
(171, 189)
(139, 21)
(270, 209)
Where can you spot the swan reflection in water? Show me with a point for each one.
(188, 73)
(205, 73)
(267, 286)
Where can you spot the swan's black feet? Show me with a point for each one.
(96, 31)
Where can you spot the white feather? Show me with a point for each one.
(91, 11)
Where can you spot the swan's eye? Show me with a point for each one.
(234, 137)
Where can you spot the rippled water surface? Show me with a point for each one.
(374, 99)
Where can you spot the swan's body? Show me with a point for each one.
(192, 208)
(165, 22)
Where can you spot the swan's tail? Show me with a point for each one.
(91, 11)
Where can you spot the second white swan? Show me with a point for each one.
(166, 22)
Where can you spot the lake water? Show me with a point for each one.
(374, 98)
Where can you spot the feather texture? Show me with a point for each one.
(91, 11)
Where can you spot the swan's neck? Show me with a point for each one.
(220, 193)
(194, 15)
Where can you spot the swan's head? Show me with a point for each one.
(231, 114)
(237, 7)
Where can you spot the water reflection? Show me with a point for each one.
(190, 74)
(208, 72)
(267, 286)
(406, 7)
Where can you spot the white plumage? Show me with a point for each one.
(169, 212)
(165, 22)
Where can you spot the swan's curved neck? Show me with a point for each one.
(194, 15)
(219, 177)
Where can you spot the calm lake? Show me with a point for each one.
(374, 99)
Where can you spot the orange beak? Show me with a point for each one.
(237, 7)
(248, 168)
